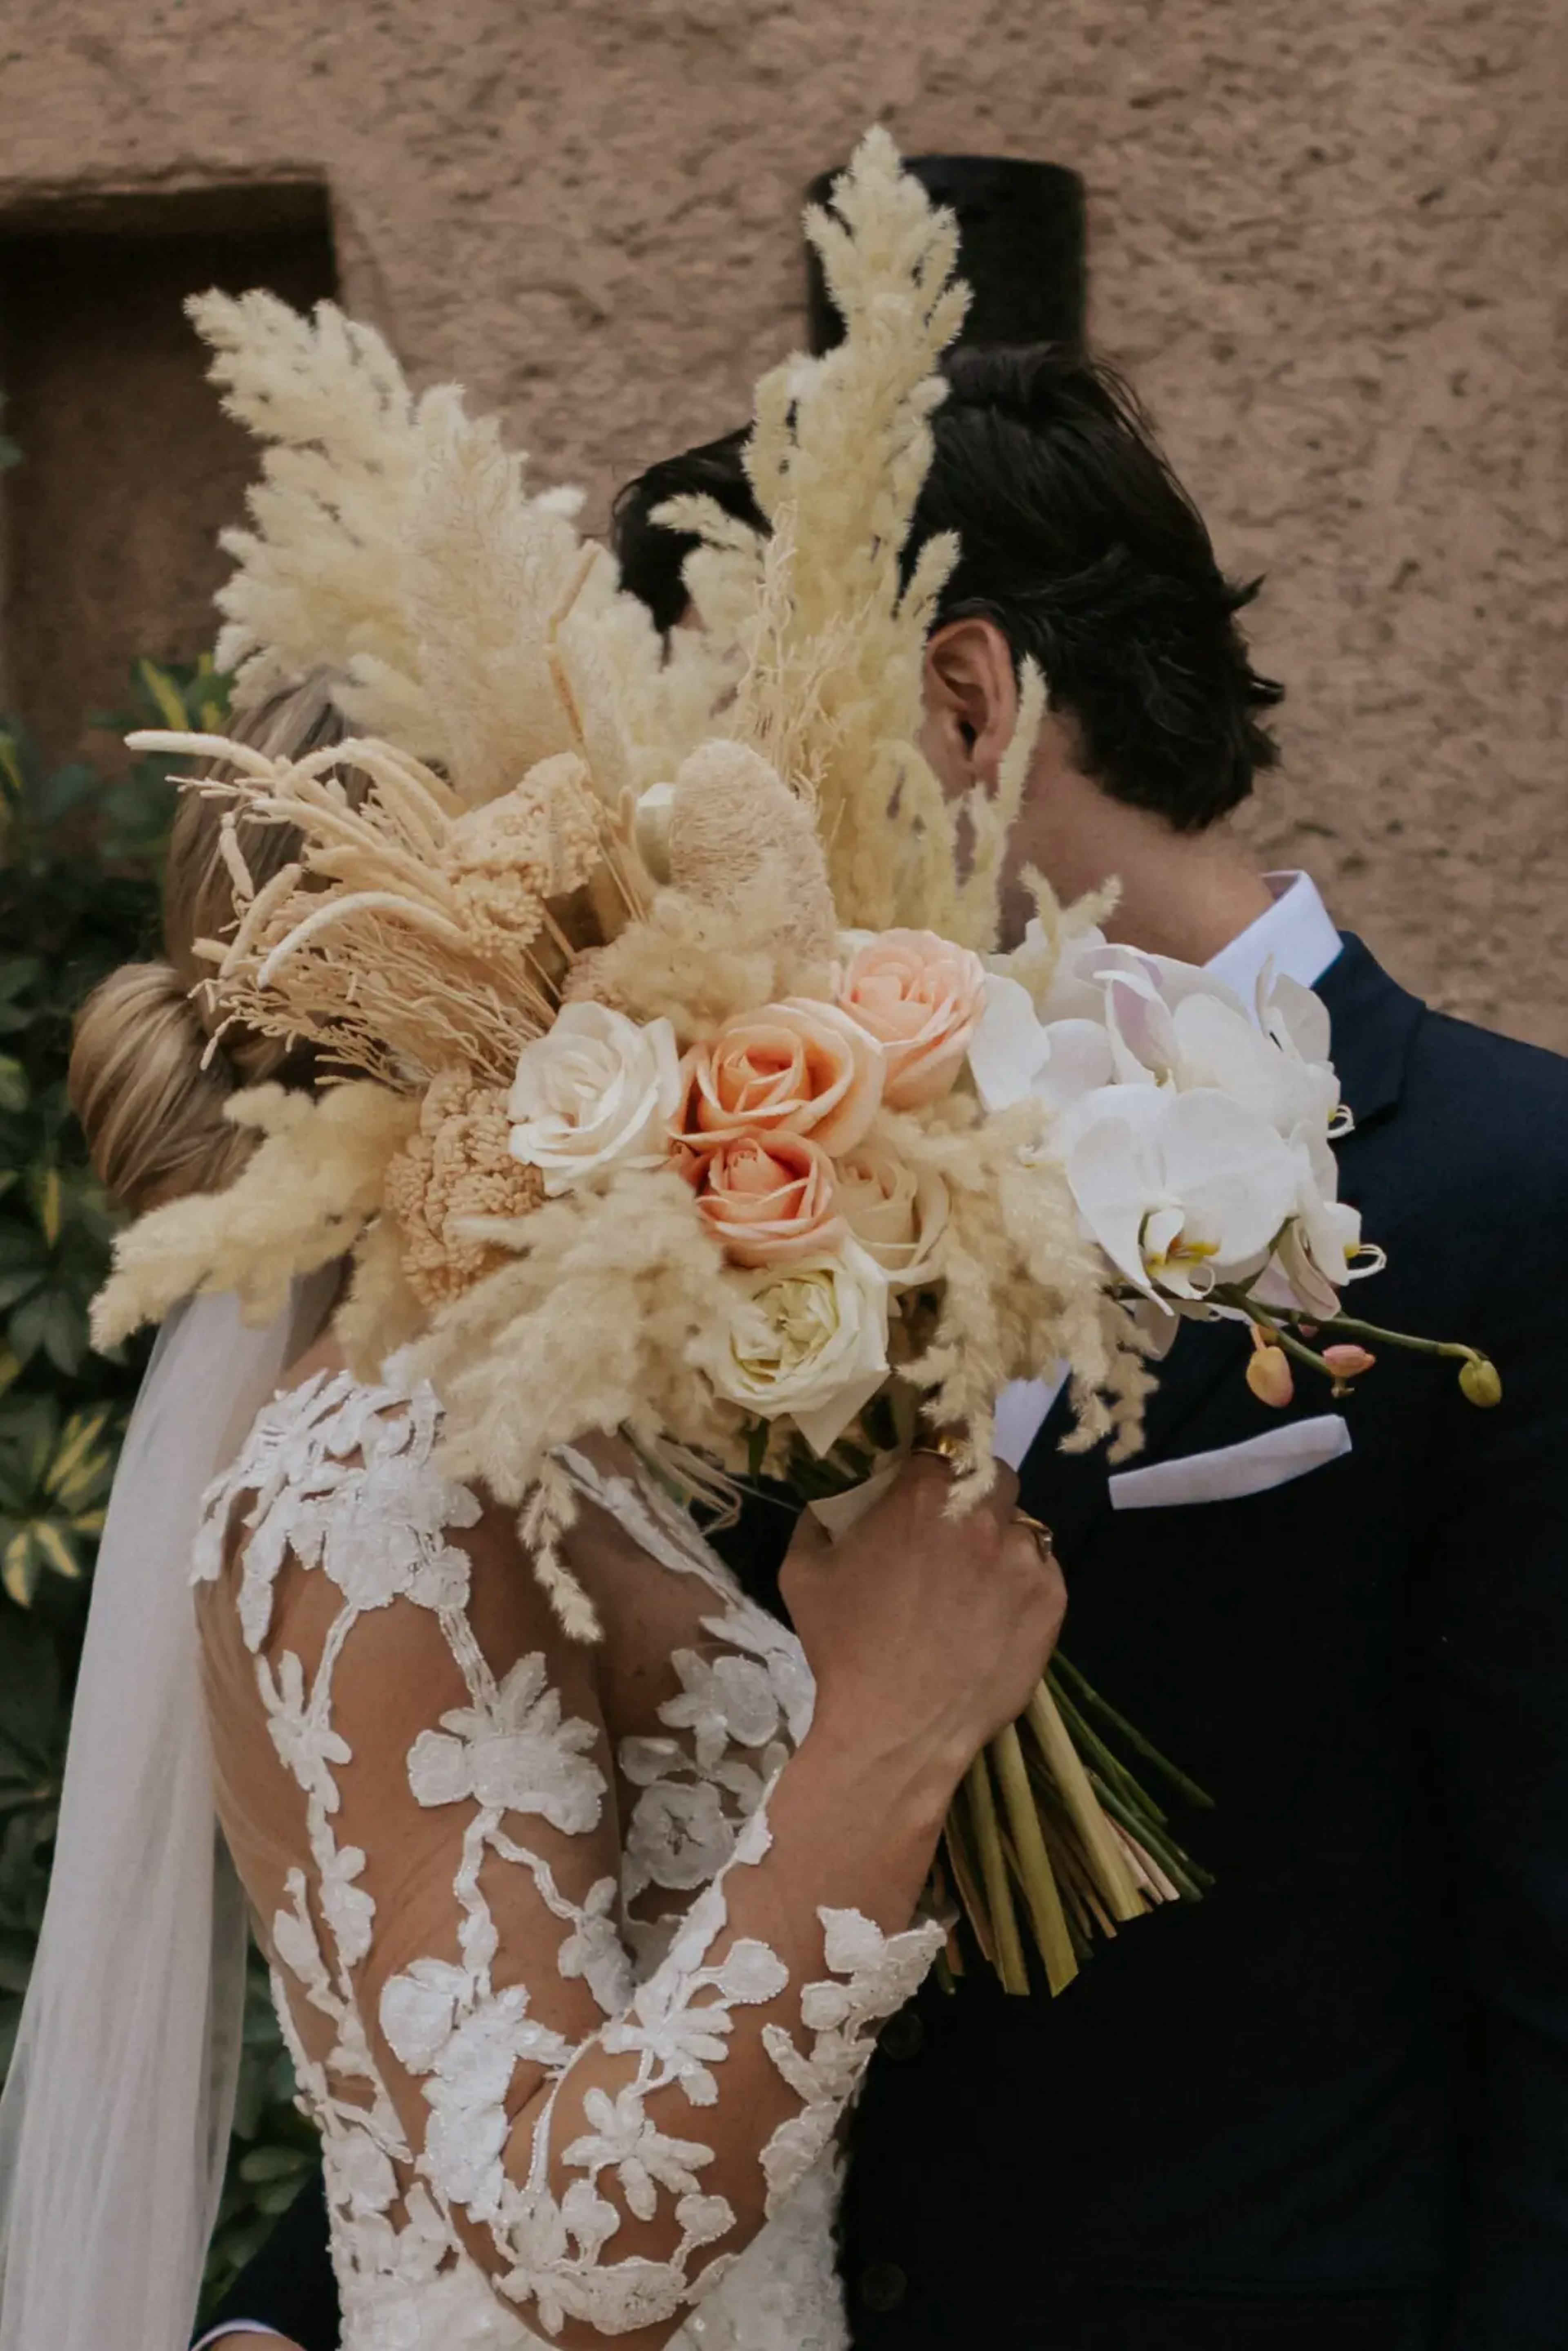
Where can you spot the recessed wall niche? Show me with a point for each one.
(128, 469)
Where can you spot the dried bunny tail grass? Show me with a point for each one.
(696, 964)
(312, 1184)
(732, 819)
(590, 1328)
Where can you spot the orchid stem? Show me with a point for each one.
(1089, 1697)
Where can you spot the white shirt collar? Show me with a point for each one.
(1296, 935)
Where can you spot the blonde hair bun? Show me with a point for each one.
(150, 1097)
(147, 1080)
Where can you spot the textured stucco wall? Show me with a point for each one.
(1326, 240)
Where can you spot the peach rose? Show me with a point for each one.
(898, 1217)
(795, 1068)
(920, 996)
(769, 1198)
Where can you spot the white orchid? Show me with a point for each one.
(1181, 1190)
(1014, 1054)
(1320, 1247)
(1238, 1187)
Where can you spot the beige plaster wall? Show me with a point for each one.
(1327, 239)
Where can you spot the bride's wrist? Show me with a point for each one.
(906, 1780)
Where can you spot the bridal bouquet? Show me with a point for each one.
(679, 1089)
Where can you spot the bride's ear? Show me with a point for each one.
(971, 702)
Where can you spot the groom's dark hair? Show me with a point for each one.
(1080, 543)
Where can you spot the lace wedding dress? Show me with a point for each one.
(399, 1848)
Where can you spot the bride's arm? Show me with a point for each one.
(599, 2148)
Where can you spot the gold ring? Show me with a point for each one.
(1044, 1540)
(942, 1446)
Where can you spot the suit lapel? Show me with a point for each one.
(1373, 1022)
(1070, 1490)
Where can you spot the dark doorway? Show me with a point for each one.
(128, 469)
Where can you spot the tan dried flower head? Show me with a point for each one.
(543, 840)
(457, 1166)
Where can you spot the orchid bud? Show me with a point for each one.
(1347, 1361)
(1479, 1379)
(1269, 1375)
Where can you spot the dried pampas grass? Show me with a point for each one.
(394, 540)
(312, 1184)
(593, 1326)
(828, 636)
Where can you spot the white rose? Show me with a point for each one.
(809, 1340)
(898, 1217)
(595, 1091)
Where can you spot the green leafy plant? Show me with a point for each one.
(79, 858)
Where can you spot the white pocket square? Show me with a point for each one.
(1250, 1468)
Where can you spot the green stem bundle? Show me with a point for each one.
(1052, 1830)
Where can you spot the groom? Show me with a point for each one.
(1327, 2109)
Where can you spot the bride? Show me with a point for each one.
(579, 1950)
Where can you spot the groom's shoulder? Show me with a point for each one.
(1494, 1108)
(1515, 1080)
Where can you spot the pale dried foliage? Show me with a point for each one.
(749, 914)
(411, 934)
(484, 871)
(458, 1166)
(392, 539)
(829, 640)
(310, 1187)
(1020, 1287)
(594, 1325)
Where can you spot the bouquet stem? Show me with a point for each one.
(1006, 1946)
(1033, 1861)
(1075, 1838)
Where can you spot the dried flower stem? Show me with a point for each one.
(1035, 1875)
(1105, 1858)
(1008, 1959)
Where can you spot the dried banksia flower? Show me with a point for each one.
(457, 1166)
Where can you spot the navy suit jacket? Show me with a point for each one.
(1327, 2109)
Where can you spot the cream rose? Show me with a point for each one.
(897, 1215)
(798, 1066)
(920, 996)
(595, 1091)
(769, 1198)
(809, 1340)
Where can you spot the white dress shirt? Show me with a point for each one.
(1297, 935)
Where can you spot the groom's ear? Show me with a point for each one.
(971, 702)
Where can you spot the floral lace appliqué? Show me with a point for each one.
(342, 1479)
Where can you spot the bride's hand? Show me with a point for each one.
(926, 1633)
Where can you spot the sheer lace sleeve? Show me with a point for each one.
(444, 1872)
